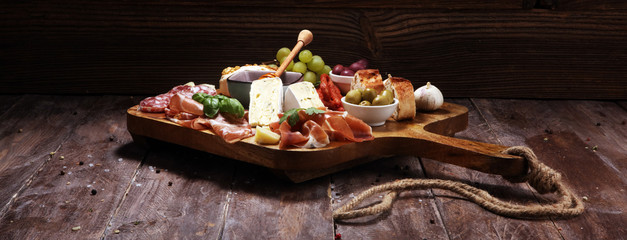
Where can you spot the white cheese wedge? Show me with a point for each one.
(301, 95)
(266, 101)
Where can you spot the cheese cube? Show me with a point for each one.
(263, 135)
(301, 95)
(266, 101)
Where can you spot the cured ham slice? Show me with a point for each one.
(230, 129)
(317, 130)
(199, 123)
(182, 103)
(169, 113)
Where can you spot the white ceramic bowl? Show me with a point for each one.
(371, 115)
(342, 82)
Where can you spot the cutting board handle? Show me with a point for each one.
(484, 157)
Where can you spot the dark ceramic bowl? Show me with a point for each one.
(239, 83)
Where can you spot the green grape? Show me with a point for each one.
(310, 77)
(290, 66)
(326, 69)
(316, 64)
(283, 52)
(305, 56)
(300, 67)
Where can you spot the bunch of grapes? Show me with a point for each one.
(311, 66)
(352, 69)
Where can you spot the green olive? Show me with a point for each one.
(380, 100)
(364, 103)
(389, 95)
(369, 94)
(353, 96)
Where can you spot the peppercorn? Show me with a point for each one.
(62, 173)
(81, 163)
(169, 183)
(94, 191)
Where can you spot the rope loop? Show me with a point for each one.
(541, 177)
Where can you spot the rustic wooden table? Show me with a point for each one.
(68, 162)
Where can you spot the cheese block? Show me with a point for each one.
(266, 101)
(403, 90)
(368, 78)
(301, 95)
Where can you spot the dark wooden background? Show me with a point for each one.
(574, 49)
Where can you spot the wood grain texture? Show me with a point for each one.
(60, 196)
(466, 220)
(7, 101)
(414, 215)
(46, 124)
(468, 49)
(177, 193)
(558, 132)
(265, 207)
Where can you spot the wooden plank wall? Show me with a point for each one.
(574, 49)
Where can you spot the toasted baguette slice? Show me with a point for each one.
(368, 78)
(403, 91)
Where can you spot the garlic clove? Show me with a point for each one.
(428, 98)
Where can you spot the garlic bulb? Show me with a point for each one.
(428, 98)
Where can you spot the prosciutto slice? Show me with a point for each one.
(182, 103)
(229, 128)
(317, 130)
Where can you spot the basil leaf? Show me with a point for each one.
(200, 97)
(211, 106)
(232, 106)
(238, 108)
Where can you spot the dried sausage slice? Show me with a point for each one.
(155, 104)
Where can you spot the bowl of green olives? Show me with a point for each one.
(372, 108)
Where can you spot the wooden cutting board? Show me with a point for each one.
(428, 135)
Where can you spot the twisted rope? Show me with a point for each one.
(541, 177)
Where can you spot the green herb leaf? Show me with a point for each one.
(200, 97)
(219, 103)
(211, 106)
(312, 111)
(291, 116)
(232, 106)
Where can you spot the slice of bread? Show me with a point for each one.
(403, 91)
(368, 78)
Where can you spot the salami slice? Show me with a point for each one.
(155, 104)
(203, 88)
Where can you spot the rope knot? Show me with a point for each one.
(541, 177)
